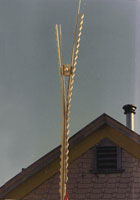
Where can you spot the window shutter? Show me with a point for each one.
(106, 157)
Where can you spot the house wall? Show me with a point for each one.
(84, 185)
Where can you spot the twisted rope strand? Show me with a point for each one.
(62, 189)
(69, 94)
(75, 32)
(66, 102)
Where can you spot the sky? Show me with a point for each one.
(107, 76)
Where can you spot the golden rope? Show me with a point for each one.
(62, 85)
(75, 31)
(69, 93)
(66, 101)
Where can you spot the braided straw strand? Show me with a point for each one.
(78, 40)
(69, 93)
(71, 82)
(75, 32)
(62, 189)
(67, 96)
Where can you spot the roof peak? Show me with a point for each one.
(88, 136)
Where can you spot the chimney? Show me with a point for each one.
(129, 110)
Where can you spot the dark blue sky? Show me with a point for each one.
(107, 76)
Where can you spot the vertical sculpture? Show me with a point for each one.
(67, 71)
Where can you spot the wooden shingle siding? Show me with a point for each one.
(84, 185)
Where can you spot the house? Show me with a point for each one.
(104, 163)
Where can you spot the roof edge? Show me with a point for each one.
(54, 154)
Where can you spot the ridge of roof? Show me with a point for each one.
(99, 122)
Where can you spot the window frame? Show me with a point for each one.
(107, 143)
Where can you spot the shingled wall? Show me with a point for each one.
(83, 184)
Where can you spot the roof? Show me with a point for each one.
(37, 173)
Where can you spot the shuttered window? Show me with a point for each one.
(107, 157)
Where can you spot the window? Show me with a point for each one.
(107, 157)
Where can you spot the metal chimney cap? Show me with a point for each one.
(129, 108)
